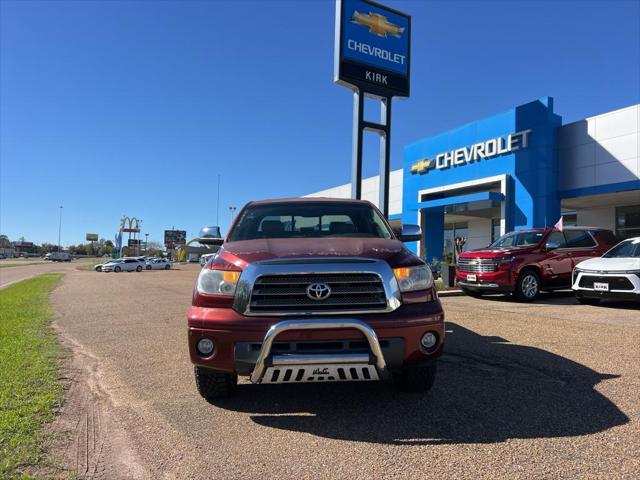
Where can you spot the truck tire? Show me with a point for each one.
(527, 286)
(213, 385)
(417, 379)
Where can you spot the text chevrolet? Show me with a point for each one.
(314, 290)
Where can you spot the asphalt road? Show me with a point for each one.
(548, 390)
(9, 275)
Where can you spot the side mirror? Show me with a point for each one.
(551, 246)
(410, 233)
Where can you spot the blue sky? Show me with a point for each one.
(117, 107)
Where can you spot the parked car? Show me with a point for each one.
(615, 275)
(205, 258)
(158, 264)
(123, 265)
(98, 267)
(525, 262)
(314, 290)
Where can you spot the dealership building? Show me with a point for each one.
(522, 168)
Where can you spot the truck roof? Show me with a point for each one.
(275, 201)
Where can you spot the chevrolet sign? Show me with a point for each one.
(372, 48)
(482, 150)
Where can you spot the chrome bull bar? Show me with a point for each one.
(320, 359)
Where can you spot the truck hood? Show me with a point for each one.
(247, 251)
(610, 264)
(490, 252)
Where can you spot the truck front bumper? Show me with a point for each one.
(252, 346)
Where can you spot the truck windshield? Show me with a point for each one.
(518, 239)
(300, 220)
(628, 248)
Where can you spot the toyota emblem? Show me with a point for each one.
(318, 291)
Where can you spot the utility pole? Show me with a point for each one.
(59, 228)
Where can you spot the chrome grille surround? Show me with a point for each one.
(477, 265)
(371, 284)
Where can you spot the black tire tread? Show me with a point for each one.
(213, 385)
(518, 291)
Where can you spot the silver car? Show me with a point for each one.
(158, 264)
(123, 265)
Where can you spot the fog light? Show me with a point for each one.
(205, 347)
(428, 340)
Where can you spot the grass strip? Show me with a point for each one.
(29, 371)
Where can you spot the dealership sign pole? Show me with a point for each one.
(372, 57)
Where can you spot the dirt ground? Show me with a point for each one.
(547, 390)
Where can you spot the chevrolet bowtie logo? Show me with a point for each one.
(422, 166)
(378, 24)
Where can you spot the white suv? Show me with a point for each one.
(615, 275)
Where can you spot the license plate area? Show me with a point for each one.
(471, 277)
(356, 372)
(601, 286)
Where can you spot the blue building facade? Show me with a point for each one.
(522, 168)
(514, 174)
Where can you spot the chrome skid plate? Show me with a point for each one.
(320, 373)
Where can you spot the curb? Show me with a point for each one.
(450, 293)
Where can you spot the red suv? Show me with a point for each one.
(314, 290)
(525, 262)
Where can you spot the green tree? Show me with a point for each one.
(5, 242)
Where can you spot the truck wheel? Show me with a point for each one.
(588, 301)
(213, 385)
(528, 286)
(417, 379)
(117, 269)
(472, 293)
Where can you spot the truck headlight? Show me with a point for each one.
(414, 278)
(217, 282)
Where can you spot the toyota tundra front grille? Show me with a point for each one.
(477, 265)
(318, 293)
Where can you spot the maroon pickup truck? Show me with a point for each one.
(525, 262)
(314, 290)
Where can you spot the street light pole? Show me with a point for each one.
(59, 228)
(146, 243)
(231, 211)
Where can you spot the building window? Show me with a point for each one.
(451, 231)
(628, 222)
(495, 229)
(570, 219)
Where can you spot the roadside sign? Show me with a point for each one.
(372, 48)
(133, 242)
(92, 237)
(175, 237)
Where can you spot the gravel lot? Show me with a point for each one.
(545, 390)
